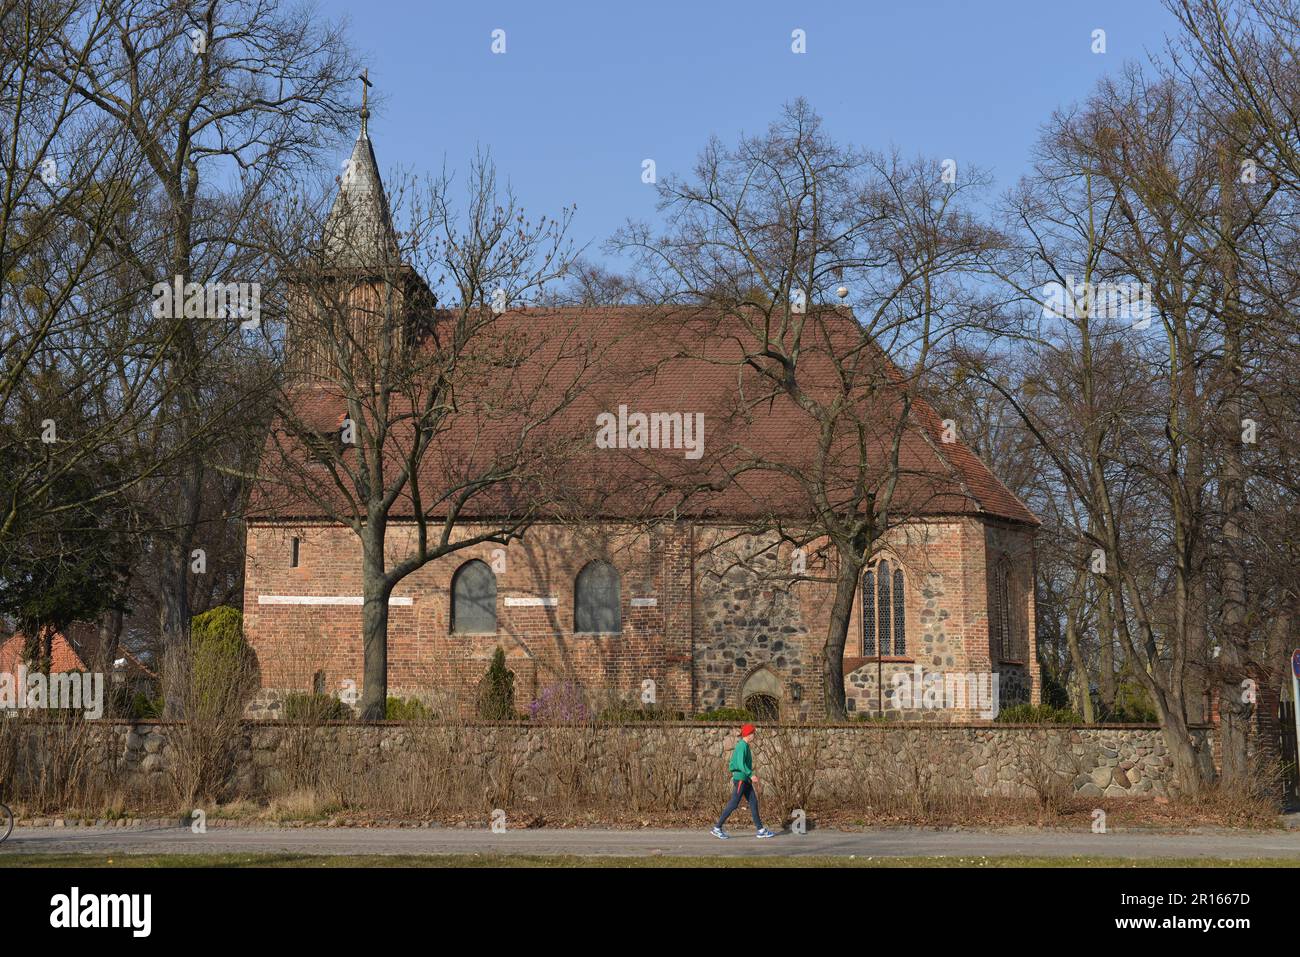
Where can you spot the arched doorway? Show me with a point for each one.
(763, 707)
(761, 695)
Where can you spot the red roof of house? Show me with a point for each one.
(71, 650)
(531, 388)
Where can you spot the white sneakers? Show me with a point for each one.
(724, 836)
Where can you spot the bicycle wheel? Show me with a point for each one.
(6, 823)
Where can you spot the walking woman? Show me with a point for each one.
(742, 786)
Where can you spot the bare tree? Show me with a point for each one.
(1239, 61)
(221, 104)
(1133, 194)
(65, 183)
(406, 421)
(757, 243)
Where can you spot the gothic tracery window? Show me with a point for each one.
(884, 611)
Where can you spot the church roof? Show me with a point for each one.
(548, 375)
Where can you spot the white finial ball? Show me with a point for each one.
(842, 292)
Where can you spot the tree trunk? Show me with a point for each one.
(174, 628)
(1106, 641)
(174, 584)
(1189, 763)
(1082, 682)
(1192, 766)
(846, 587)
(375, 589)
(109, 635)
(1235, 706)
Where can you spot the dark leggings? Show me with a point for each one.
(743, 789)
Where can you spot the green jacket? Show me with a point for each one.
(742, 762)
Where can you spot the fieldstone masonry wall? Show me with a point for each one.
(988, 761)
(746, 624)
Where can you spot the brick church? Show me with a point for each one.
(690, 598)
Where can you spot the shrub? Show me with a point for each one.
(725, 714)
(221, 628)
(1037, 714)
(1123, 715)
(219, 656)
(301, 706)
(136, 704)
(406, 709)
(1055, 693)
(791, 760)
(1132, 705)
(222, 673)
(496, 698)
(563, 702)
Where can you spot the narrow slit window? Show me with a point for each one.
(294, 553)
(1002, 612)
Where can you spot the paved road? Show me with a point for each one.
(891, 842)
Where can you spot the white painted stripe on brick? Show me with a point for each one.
(324, 600)
(644, 602)
(550, 601)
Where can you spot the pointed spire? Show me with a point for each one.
(359, 229)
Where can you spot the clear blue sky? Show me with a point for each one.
(586, 91)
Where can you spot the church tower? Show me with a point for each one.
(356, 303)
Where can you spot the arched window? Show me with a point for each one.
(474, 599)
(884, 612)
(597, 599)
(1000, 613)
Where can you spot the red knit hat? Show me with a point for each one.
(746, 730)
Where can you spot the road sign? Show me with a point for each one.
(1295, 662)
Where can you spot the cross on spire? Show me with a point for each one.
(365, 108)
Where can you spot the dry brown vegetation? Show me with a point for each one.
(581, 776)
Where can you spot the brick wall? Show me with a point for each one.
(709, 615)
(295, 641)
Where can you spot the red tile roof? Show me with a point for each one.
(564, 367)
(71, 650)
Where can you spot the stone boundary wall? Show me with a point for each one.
(990, 760)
